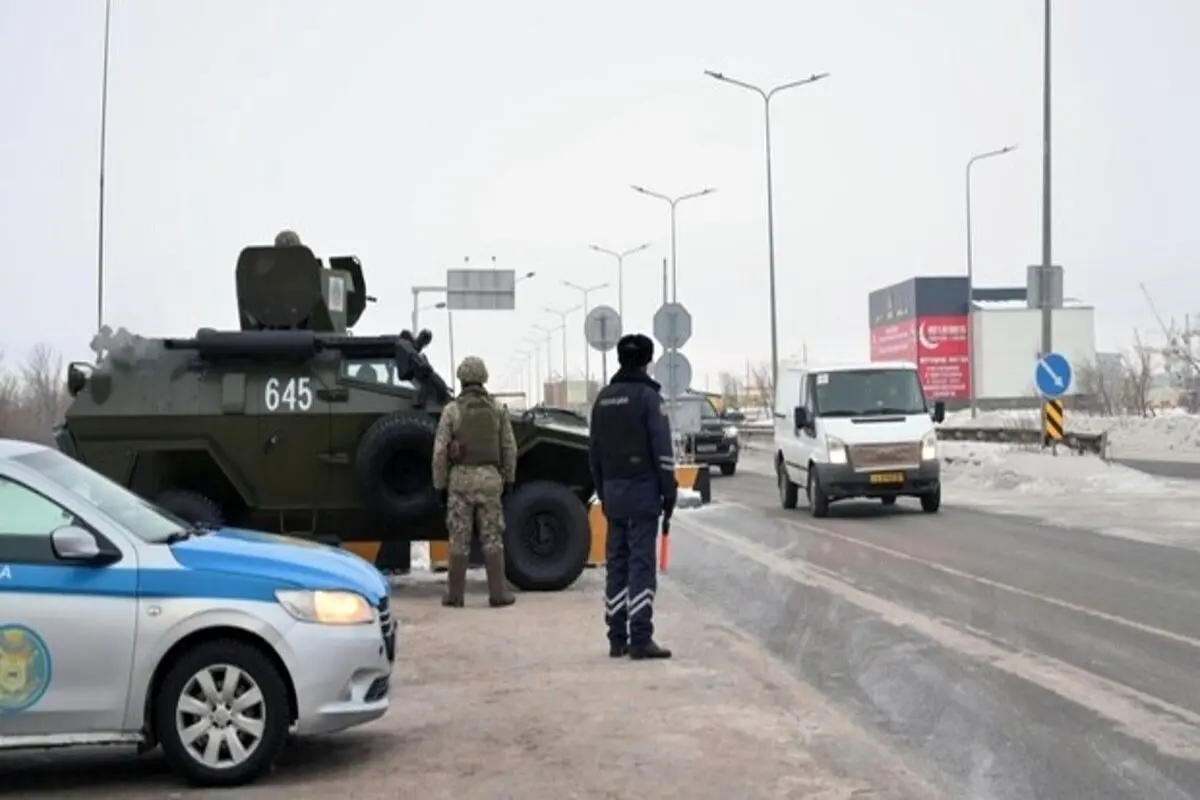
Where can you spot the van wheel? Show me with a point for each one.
(931, 502)
(789, 493)
(818, 501)
(222, 714)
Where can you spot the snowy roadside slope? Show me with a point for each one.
(1170, 436)
(1074, 491)
(1067, 490)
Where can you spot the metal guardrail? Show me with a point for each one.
(1094, 443)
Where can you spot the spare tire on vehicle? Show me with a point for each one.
(547, 537)
(191, 507)
(395, 466)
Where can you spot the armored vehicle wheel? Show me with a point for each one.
(395, 465)
(546, 538)
(191, 506)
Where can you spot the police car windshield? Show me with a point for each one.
(853, 393)
(141, 518)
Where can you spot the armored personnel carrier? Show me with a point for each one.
(294, 425)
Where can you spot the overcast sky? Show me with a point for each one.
(415, 134)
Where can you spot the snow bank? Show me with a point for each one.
(1170, 436)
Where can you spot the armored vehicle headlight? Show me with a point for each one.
(327, 607)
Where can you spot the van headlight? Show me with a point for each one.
(929, 447)
(837, 451)
(326, 607)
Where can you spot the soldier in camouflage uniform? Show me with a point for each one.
(474, 466)
(287, 239)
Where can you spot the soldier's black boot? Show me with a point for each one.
(498, 596)
(456, 582)
(641, 652)
(617, 649)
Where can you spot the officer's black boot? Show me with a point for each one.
(498, 596)
(617, 649)
(641, 652)
(456, 582)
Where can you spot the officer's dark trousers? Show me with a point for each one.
(631, 580)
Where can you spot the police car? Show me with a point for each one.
(121, 624)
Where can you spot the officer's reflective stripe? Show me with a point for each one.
(616, 603)
(666, 462)
(642, 602)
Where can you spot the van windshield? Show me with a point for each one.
(863, 392)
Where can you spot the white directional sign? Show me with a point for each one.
(602, 328)
(672, 325)
(481, 289)
(674, 372)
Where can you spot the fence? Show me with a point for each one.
(1093, 443)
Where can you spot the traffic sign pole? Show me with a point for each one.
(1052, 375)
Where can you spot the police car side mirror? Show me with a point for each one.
(72, 543)
(939, 411)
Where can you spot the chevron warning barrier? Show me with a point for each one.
(1053, 421)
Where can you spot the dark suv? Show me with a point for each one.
(716, 444)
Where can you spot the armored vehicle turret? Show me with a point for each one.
(293, 425)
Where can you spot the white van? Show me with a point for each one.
(860, 430)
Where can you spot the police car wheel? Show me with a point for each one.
(394, 464)
(222, 714)
(547, 537)
(191, 506)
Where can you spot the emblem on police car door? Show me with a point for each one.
(25, 668)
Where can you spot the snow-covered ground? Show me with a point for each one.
(1069, 490)
(1072, 490)
(1169, 436)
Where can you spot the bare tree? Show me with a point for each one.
(731, 389)
(45, 390)
(1138, 375)
(10, 398)
(763, 385)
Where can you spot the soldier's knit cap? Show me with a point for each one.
(635, 350)
(472, 370)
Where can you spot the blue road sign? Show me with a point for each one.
(1052, 375)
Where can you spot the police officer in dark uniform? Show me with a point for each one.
(633, 468)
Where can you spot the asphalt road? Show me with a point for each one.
(1189, 470)
(1002, 657)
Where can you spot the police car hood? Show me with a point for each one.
(294, 563)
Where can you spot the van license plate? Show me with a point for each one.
(887, 477)
(706, 448)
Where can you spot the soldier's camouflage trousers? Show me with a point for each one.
(474, 503)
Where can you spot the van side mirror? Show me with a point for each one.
(939, 411)
(800, 417)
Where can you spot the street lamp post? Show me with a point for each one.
(1047, 256)
(449, 333)
(620, 257)
(536, 373)
(103, 160)
(766, 96)
(548, 333)
(417, 291)
(586, 291)
(971, 276)
(562, 315)
(674, 203)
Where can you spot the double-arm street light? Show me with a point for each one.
(971, 276)
(620, 257)
(674, 203)
(562, 315)
(586, 291)
(766, 95)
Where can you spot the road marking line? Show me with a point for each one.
(1170, 729)
(994, 584)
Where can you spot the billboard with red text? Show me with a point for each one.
(942, 357)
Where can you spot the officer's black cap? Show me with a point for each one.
(635, 350)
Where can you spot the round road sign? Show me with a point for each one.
(672, 325)
(602, 328)
(674, 372)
